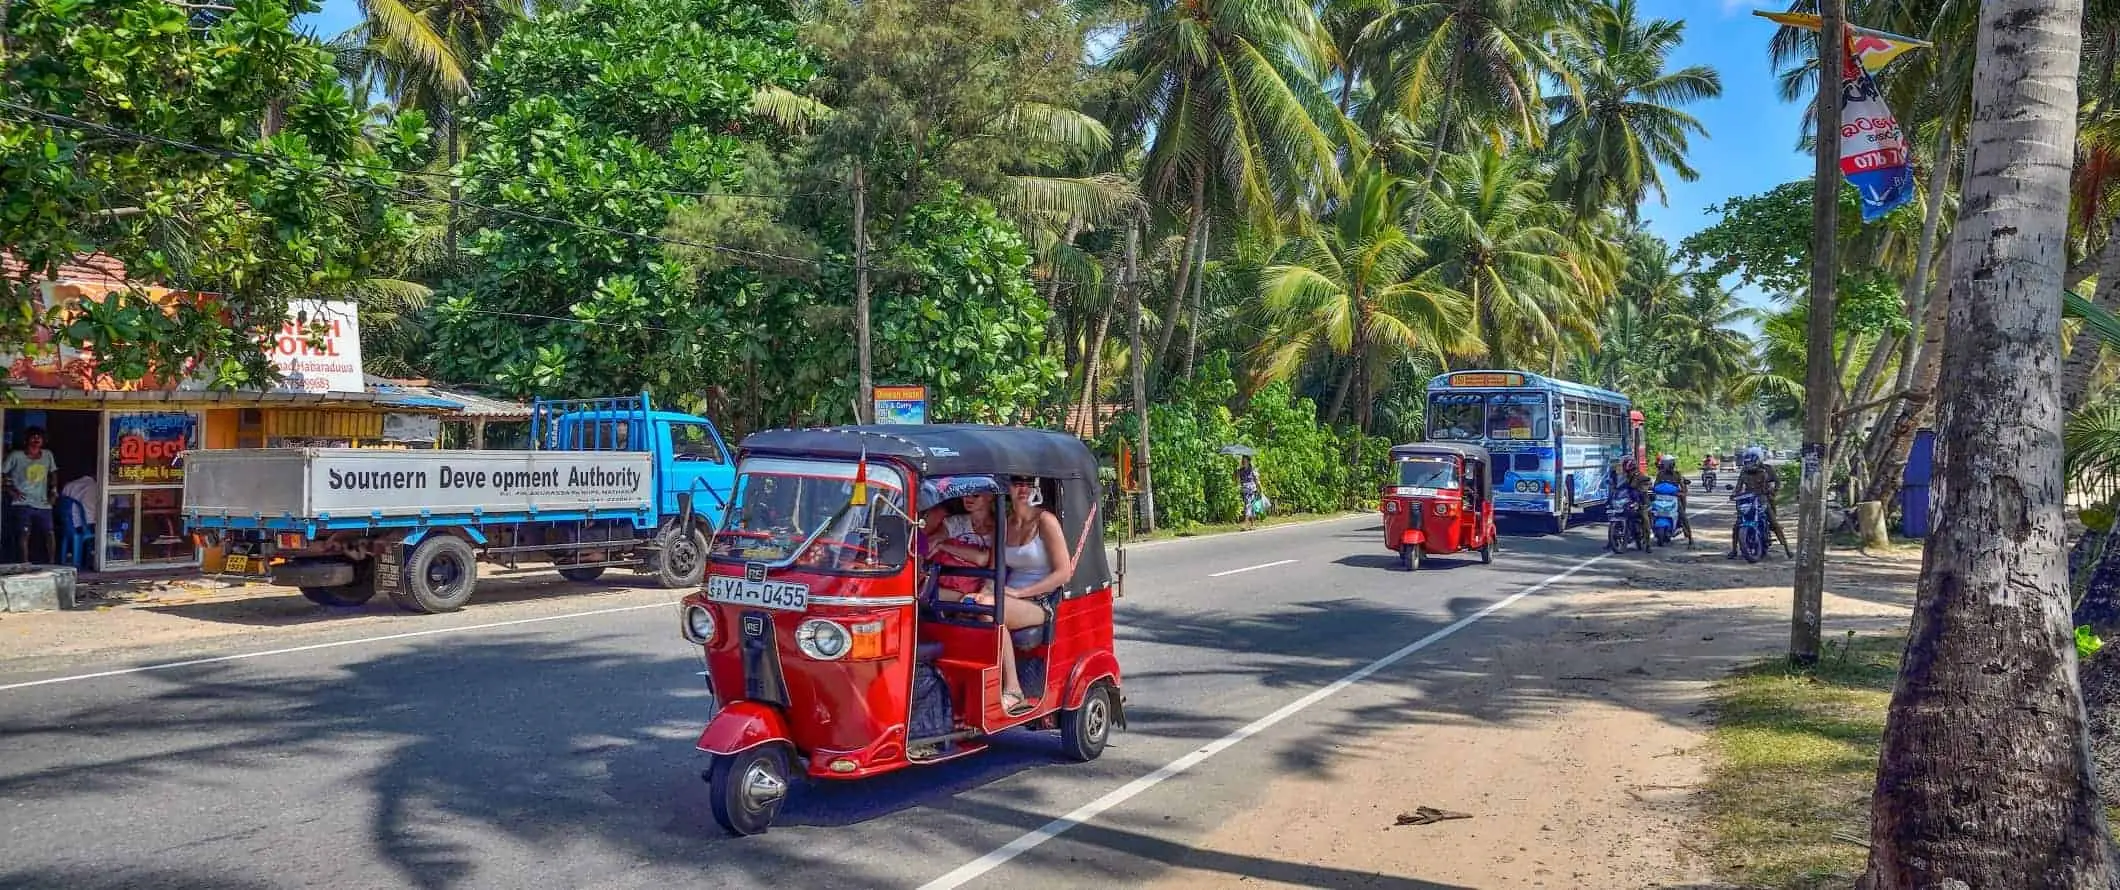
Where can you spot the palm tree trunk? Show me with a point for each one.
(1339, 395)
(864, 398)
(2085, 350)
(1130, 282)
(1846, 426)
(1988, 698)
(1443, 122)
(1917, 290)
(1192, 319)
(1891, 455)
(456, 192)
(1093, 362)
(1197, 217)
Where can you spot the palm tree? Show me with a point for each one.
(1224, 94)
(1702, 351)
(1625, 124)
(1478, 59)
(1352, 289)
(1493, 236)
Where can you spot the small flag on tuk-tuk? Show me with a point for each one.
(861, 479)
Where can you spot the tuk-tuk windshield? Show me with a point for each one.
(1428, 472)
(804, 509)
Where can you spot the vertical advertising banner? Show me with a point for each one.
(1873, 152)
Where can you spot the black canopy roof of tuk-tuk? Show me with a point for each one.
(973, 449)
(942, 449)
(1469, 452)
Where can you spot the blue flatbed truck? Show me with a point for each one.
(607, 483)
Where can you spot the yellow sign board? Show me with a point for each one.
(1478, 378)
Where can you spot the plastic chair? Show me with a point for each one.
(77, 535)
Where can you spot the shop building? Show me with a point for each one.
(116, 445)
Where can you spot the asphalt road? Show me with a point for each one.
(559, 753)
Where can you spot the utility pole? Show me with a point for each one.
(865, 397)
(1805, 620)
(1138, 363)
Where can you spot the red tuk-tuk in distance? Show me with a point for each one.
(830, 645)
(1439, 500)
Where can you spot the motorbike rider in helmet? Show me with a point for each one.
(1630, 477)
(1667, 471)
(1757, 478)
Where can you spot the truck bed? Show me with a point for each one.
(256, 486)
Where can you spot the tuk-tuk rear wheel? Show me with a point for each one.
(1410, 557)
(749, 787)
(1487, 553)
(1085, 730)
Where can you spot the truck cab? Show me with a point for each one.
(691, 461)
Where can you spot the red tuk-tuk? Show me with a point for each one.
(1440, 500)
(834, 650)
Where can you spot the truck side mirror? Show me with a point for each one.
(893, 538)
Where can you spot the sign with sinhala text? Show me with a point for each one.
(1486, 379)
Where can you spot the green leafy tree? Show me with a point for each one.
(1493, 235)
(593, 124)
(131, 129)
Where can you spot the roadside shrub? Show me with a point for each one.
(1304, 466)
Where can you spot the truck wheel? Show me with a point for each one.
(683, 560)
(346, 596)
(582, 575)
(440, 576)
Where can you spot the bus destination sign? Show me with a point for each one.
(1475, 378)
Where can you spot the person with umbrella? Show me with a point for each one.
(1248, 487)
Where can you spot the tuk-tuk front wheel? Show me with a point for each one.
(1410, 557)
(749, 787)
(1085, 730)
(1487, 552)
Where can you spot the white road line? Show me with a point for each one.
(1263, 565)
(331, 645)
(972, 870)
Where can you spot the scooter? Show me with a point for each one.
(1663, 512)
(1707, 479)
(1623, 526)
(1751, 527)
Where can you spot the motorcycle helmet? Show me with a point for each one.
(1667, 463)
(1752, 457)
(1630, 466)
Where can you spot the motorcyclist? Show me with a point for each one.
(1667, 471)
(1631, 478)
(1755, 477)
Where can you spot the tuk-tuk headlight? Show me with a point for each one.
(699, 625)
(823, 640)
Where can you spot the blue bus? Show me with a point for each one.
(1554, 442)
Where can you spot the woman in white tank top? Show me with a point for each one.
(1035, 552)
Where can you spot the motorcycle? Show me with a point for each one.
(1751, 527)
(1707, 479)
(1623, 527)
(1663, 512)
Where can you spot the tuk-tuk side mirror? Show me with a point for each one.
(893, 538)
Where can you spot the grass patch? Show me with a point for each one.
(1795, 760)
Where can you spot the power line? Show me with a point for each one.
(49, 118)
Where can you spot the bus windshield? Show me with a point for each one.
(800, 509)
(1428, 473)
(1517, 415)
(1456, 415)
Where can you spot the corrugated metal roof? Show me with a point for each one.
(421, 394)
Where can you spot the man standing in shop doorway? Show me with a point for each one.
(29, 493)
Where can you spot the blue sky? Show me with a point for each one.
(1751, 139)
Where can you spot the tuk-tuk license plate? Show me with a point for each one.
(786, 596)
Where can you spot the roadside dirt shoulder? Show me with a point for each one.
(1588, 780)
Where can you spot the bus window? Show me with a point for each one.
(1518, 416)
(1456, 415)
